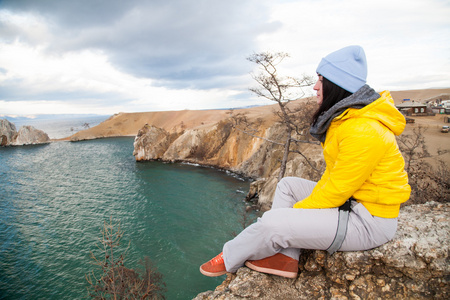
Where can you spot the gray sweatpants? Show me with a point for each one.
(286, 230)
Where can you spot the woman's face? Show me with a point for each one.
(318, 88)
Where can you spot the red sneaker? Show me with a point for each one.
(214, 267)
(278, 264)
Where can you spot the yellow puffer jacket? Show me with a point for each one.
(363, 161)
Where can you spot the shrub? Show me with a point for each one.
(112, 279)
(429, 180)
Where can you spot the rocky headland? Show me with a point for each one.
(225, 147)
(27, 135)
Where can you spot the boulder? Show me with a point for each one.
(7, 132)
(414, 265)
(151, 143)
(186, 145)
(29, 135)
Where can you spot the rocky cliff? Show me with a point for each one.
(414, 265)
(7, 132)
(27, 135)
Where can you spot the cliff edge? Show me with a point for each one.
(414, 265)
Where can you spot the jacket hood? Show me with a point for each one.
(382, 110)
(361, 98)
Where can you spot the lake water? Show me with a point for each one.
(54, 199)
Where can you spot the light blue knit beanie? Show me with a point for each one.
(346, 68)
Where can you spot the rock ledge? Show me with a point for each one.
(414, 265)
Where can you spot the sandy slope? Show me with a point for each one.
(128, 124)
(434, 138)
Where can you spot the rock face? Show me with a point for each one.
(27, 135)
(151, 142)
(414, 265)
(7, 132)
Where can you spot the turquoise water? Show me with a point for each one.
(54, 199)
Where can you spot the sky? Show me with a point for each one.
(110, 56)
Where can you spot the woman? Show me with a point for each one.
(357, 129)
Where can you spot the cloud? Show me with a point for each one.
(87, 79)
(402, 39)
(111, 52)
(163, 55)
(187, 43)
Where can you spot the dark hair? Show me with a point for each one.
(331, 94)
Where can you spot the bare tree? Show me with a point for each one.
(247, 216)
(413, 146)
(283, 90)
(428, 181)
(116, 281)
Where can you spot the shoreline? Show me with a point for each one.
(68, 139)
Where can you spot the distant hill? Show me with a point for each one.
(419, 95)
(47, 117)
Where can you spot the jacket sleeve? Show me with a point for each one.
(361, 146)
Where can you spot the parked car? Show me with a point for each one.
(445, 129)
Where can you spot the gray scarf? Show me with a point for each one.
(359, 99)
